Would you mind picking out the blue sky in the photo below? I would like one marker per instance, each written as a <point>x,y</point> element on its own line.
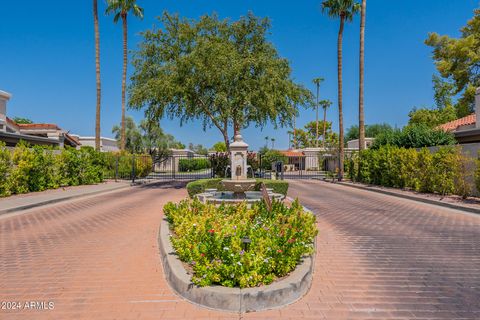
<point>47,58</point>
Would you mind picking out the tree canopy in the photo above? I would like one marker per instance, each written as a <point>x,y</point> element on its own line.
<point>223,73</point>
<point>306,137</point>
<point>21,120</point>
<point>148,137</point>
<point>371,131</point>
<point>458,62</point>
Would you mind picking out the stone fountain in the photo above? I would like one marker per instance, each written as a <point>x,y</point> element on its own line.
<point>239,187</point>
<point>238,182</point>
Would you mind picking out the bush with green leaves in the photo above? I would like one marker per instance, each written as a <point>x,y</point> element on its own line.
<point>209,239</point>
<point>414,136</point>
<point>199,186</point>
<point>124,160</point>
<point>272,156</point>
<point>193,164</point>
<point>5,169</point>
<point>443,171</point>
<point>37,168</point>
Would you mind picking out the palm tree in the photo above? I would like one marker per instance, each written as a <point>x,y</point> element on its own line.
<point>97,71</point>
<point>345,10</point>
<point>317,81</point>
<point>120,9</point>
<point>295,128</point>
<point>325,105</point>
<point>266,141</point>
<point>273,143</point>
<point>361,115</point>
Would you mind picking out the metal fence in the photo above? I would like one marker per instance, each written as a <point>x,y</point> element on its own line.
<point>194,167</point>
<point>146,167</point>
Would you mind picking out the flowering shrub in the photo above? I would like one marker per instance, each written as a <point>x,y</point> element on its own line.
<point>209,239</point>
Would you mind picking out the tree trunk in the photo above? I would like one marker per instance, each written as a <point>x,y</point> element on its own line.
<point>295,130</point>
<point>324,126</point>
<point>340,99</point>
<point>361,117</point>
<point>97,71</point>
<point>124,79</point>
<point>316,117</point>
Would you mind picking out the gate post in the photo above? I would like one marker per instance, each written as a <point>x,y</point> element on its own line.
<point>173,167</point>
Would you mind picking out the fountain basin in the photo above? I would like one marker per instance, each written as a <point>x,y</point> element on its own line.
<point>229,197</point>
<point>239,186</point>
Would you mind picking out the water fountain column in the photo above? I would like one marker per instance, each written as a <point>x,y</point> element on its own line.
<point>238,158</point>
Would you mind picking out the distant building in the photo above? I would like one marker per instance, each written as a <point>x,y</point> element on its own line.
<point>354,144</point>
<point>106,144</point>
<point>35,133</point>
<point>466,129</point>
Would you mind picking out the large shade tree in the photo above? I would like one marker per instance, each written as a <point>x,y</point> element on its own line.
<point>223,73</point>
<point>120,9</point>
<point>344,10</point>
<point>458,62</point>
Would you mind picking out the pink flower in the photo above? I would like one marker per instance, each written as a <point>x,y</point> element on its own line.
<point>279,251</point>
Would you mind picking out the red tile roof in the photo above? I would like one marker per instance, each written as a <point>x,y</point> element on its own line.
<point>290,153</point>
<point>453,125</point>
<point>38,126</point>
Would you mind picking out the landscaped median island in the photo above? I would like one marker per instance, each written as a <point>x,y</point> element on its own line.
<point>238,257</point>
<point>233,245</point>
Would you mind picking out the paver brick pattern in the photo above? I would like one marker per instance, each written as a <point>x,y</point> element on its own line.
<point>378,257</point>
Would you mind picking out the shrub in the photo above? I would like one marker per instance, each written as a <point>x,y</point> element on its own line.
<point>199,186</point>
<point>445,171</point>
<point>143,165</point>
<point>209,239</point>
<point>5,168</point>
<point>414,136</point>
<point>194,164</point>
<point>272,156</point>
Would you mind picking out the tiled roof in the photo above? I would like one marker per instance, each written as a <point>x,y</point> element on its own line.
<point>290,153</point>
<point>453,125</point>
<point>38,126</point>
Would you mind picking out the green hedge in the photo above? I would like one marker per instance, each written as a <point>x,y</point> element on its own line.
<point>187,165</point>
<point>209,239</point>
<point>143,165</point>
<point>37,168</point>
<point>199,186</point>
<point>444,171</point>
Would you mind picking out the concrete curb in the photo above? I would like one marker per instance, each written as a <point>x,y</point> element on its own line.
<point>278,294</point>
<point>57,200</point>
<point>410,197</point>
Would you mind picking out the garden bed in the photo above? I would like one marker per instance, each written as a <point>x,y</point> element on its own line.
<point>273,269</point>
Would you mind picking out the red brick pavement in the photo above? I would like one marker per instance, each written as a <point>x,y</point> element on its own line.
<point>378,258</point>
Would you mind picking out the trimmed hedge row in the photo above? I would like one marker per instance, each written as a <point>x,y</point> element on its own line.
<point>199,186</point>
<point>445,171</point>
<point>38,168</point>
<point>187,165</point>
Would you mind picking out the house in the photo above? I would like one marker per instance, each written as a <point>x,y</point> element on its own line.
<point>34,133</point>
<point>354,144</point>
<point>106,144</point>
<point>466,129</point>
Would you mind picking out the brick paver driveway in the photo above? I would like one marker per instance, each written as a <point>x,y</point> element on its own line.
<point>378,258</point>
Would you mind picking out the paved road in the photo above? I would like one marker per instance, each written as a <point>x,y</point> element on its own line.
<point>378,258</point>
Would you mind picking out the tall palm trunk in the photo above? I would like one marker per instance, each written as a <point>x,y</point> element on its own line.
<point>316,117</point>
<point>361,116</point>
<point>324,126</point>
<point>97,71</point>
<point>124,79</point>
<point>340,97</point>
<point>295,130</point>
